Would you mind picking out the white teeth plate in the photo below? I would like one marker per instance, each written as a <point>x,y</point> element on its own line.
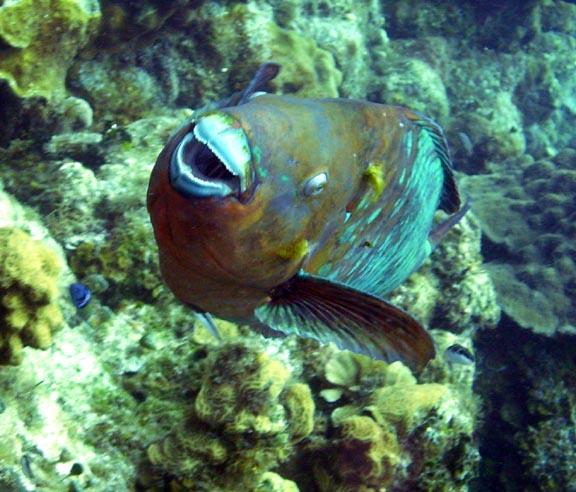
<point>182,177</point>
<point>228,143</point>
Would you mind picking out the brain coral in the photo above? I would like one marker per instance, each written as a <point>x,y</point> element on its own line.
<point>39,41</point>
<point>29,311</point>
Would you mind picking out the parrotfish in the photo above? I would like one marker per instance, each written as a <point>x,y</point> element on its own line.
<point>298,215</point>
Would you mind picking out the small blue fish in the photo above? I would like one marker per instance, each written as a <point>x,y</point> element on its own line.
<point>458,354</point>
<point>80,294</point>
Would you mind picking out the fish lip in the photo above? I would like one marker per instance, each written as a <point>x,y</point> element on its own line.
<point>213,159</point>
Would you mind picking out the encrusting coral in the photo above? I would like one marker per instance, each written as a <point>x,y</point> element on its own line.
<point>361,454</point>
<point>40,40</point>
<point>29,311</point>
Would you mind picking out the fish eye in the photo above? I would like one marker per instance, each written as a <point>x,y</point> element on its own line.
<point>315,184</point>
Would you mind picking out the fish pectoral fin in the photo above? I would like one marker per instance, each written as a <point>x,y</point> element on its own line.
<point>207,322</point>
<point>440,230</point>
<point>312,307</point>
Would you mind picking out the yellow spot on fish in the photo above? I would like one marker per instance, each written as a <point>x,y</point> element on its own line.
<point>295,251</point>
<point>374,175</point>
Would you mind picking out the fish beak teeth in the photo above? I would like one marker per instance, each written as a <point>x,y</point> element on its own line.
<point>228,142</point>
<point>213,160</point>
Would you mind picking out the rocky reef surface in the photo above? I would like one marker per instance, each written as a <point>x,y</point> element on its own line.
<point>131,393</point>
<point>135,393</point>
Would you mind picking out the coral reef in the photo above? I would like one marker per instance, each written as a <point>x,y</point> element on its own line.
<point>134,393</point>
<point>40,40</point>
<point>209,39</point>
<point>533,260</point>
<point>94,206</point>
<point>29,276</point>
<point>511,125</point>
<point>361,454</point>
<point>411,82</point>
<point>355,36</point>
<point>468,300</point>
<point>244,420</point>
<point>193,58</point>
<point>126,260</point>
<point>314,74</point>
<point>388,429</point>
<point>453,290</point>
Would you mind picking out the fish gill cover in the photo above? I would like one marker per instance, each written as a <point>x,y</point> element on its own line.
<point>131,393</point>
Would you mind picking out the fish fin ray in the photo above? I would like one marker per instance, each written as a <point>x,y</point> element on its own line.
<point>207,321</point>
<point>440,231</point>
<point>265,73</point>
<point>450,198</point>
<point>326,311</point>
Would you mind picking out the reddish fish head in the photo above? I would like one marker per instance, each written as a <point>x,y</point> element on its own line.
<point>237,207</point>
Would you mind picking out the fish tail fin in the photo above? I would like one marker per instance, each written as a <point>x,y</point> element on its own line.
<point>440,231</point>
<point>330,312</point>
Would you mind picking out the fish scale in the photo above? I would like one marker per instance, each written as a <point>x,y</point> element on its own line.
<point>397,249</point>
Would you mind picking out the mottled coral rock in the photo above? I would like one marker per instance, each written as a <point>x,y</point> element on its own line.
<point>352,32</point>
<point>117,91</point>
<point>272,482</point>
<point>241,393</point>
<point>362,455</point>
<point>244,420</point>
<point>413,83</point>
<point>453,290</point>
<point>405,405</point>
<point>210,51</point>
<point>526,210</point>
<point>299,404</point>
<point>308,70</point>
<point>398,434</point>
<point>467,299</point>
<point>29,274</point>
<point>42,38</point>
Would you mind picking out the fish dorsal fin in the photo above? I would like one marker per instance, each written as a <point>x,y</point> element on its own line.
<point>450,198</point>
<point>326,311</point>
<point>265,73</point>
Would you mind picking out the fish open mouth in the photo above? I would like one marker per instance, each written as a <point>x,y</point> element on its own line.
<point>213,160</point>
